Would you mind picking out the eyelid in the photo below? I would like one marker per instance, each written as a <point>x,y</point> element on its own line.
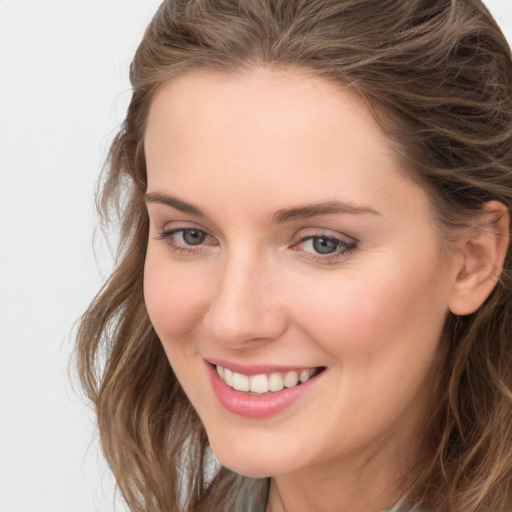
<point>307,233</point>
<point>179,225</point>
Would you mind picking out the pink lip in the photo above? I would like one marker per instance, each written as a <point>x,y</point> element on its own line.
<point>256,406</point>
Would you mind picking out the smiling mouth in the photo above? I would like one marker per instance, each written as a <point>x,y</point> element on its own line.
<point>266,383</point>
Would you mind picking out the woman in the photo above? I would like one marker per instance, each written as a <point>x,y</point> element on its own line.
<point>314,202</point>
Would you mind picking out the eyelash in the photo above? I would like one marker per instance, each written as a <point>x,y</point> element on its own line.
<point>343,247</point>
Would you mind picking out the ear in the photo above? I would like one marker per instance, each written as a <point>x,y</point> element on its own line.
<point>482,249</point>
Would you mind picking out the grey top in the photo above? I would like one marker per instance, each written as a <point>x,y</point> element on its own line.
<point>398,508</point>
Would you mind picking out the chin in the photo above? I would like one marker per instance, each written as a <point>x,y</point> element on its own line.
<point>251,469</point>
<point>249,460</point>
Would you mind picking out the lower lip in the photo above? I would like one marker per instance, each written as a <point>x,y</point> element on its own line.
<point>256,406</point>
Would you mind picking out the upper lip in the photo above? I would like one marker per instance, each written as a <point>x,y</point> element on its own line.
<point>257,369</point>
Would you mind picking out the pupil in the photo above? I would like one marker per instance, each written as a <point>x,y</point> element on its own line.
<point>193,236</point>
<point>324,245</point>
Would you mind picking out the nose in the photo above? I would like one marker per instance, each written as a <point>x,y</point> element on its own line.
<point>246,303</point>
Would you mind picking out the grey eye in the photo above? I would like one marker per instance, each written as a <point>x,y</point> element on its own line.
<point>324,245</point>
<point>193,236</point>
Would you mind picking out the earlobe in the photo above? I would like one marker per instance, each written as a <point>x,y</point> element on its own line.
<point>483,250</point>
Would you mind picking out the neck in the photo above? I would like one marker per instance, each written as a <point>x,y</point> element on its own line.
<point>370,485</point>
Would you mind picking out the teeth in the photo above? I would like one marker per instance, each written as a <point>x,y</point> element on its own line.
<point>305,375</point>
<point>291,379</point>
<point>258,383</point>
<point>228,377</point>
<point>240,382</point>
<point>263,383</point>
<point>275,382</point>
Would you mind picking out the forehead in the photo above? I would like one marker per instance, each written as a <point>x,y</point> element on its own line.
<point>274,100</point>
<point>272,133</point>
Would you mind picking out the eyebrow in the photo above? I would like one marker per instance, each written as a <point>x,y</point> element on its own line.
<point>174,202</point>
<point>312,210</point>
<point>279,217</point>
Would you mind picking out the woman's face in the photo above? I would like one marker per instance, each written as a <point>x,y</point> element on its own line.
<point>286,246</point>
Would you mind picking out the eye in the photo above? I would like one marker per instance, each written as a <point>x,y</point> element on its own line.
<point>324,245</point>
<point>193,236</point>
<point>187,240</point>
<point>325,248</point>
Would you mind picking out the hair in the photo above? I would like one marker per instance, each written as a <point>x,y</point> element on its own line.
<point>437,75</point>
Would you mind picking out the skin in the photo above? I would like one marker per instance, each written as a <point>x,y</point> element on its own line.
<point>241,147</point>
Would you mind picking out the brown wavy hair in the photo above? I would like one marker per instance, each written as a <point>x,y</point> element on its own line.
<point>437,75</point>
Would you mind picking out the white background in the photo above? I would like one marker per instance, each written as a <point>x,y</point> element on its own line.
<point>63,93</point>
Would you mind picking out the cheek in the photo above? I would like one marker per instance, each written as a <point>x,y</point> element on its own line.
<point>389,310</point>
<point>175,299</point>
